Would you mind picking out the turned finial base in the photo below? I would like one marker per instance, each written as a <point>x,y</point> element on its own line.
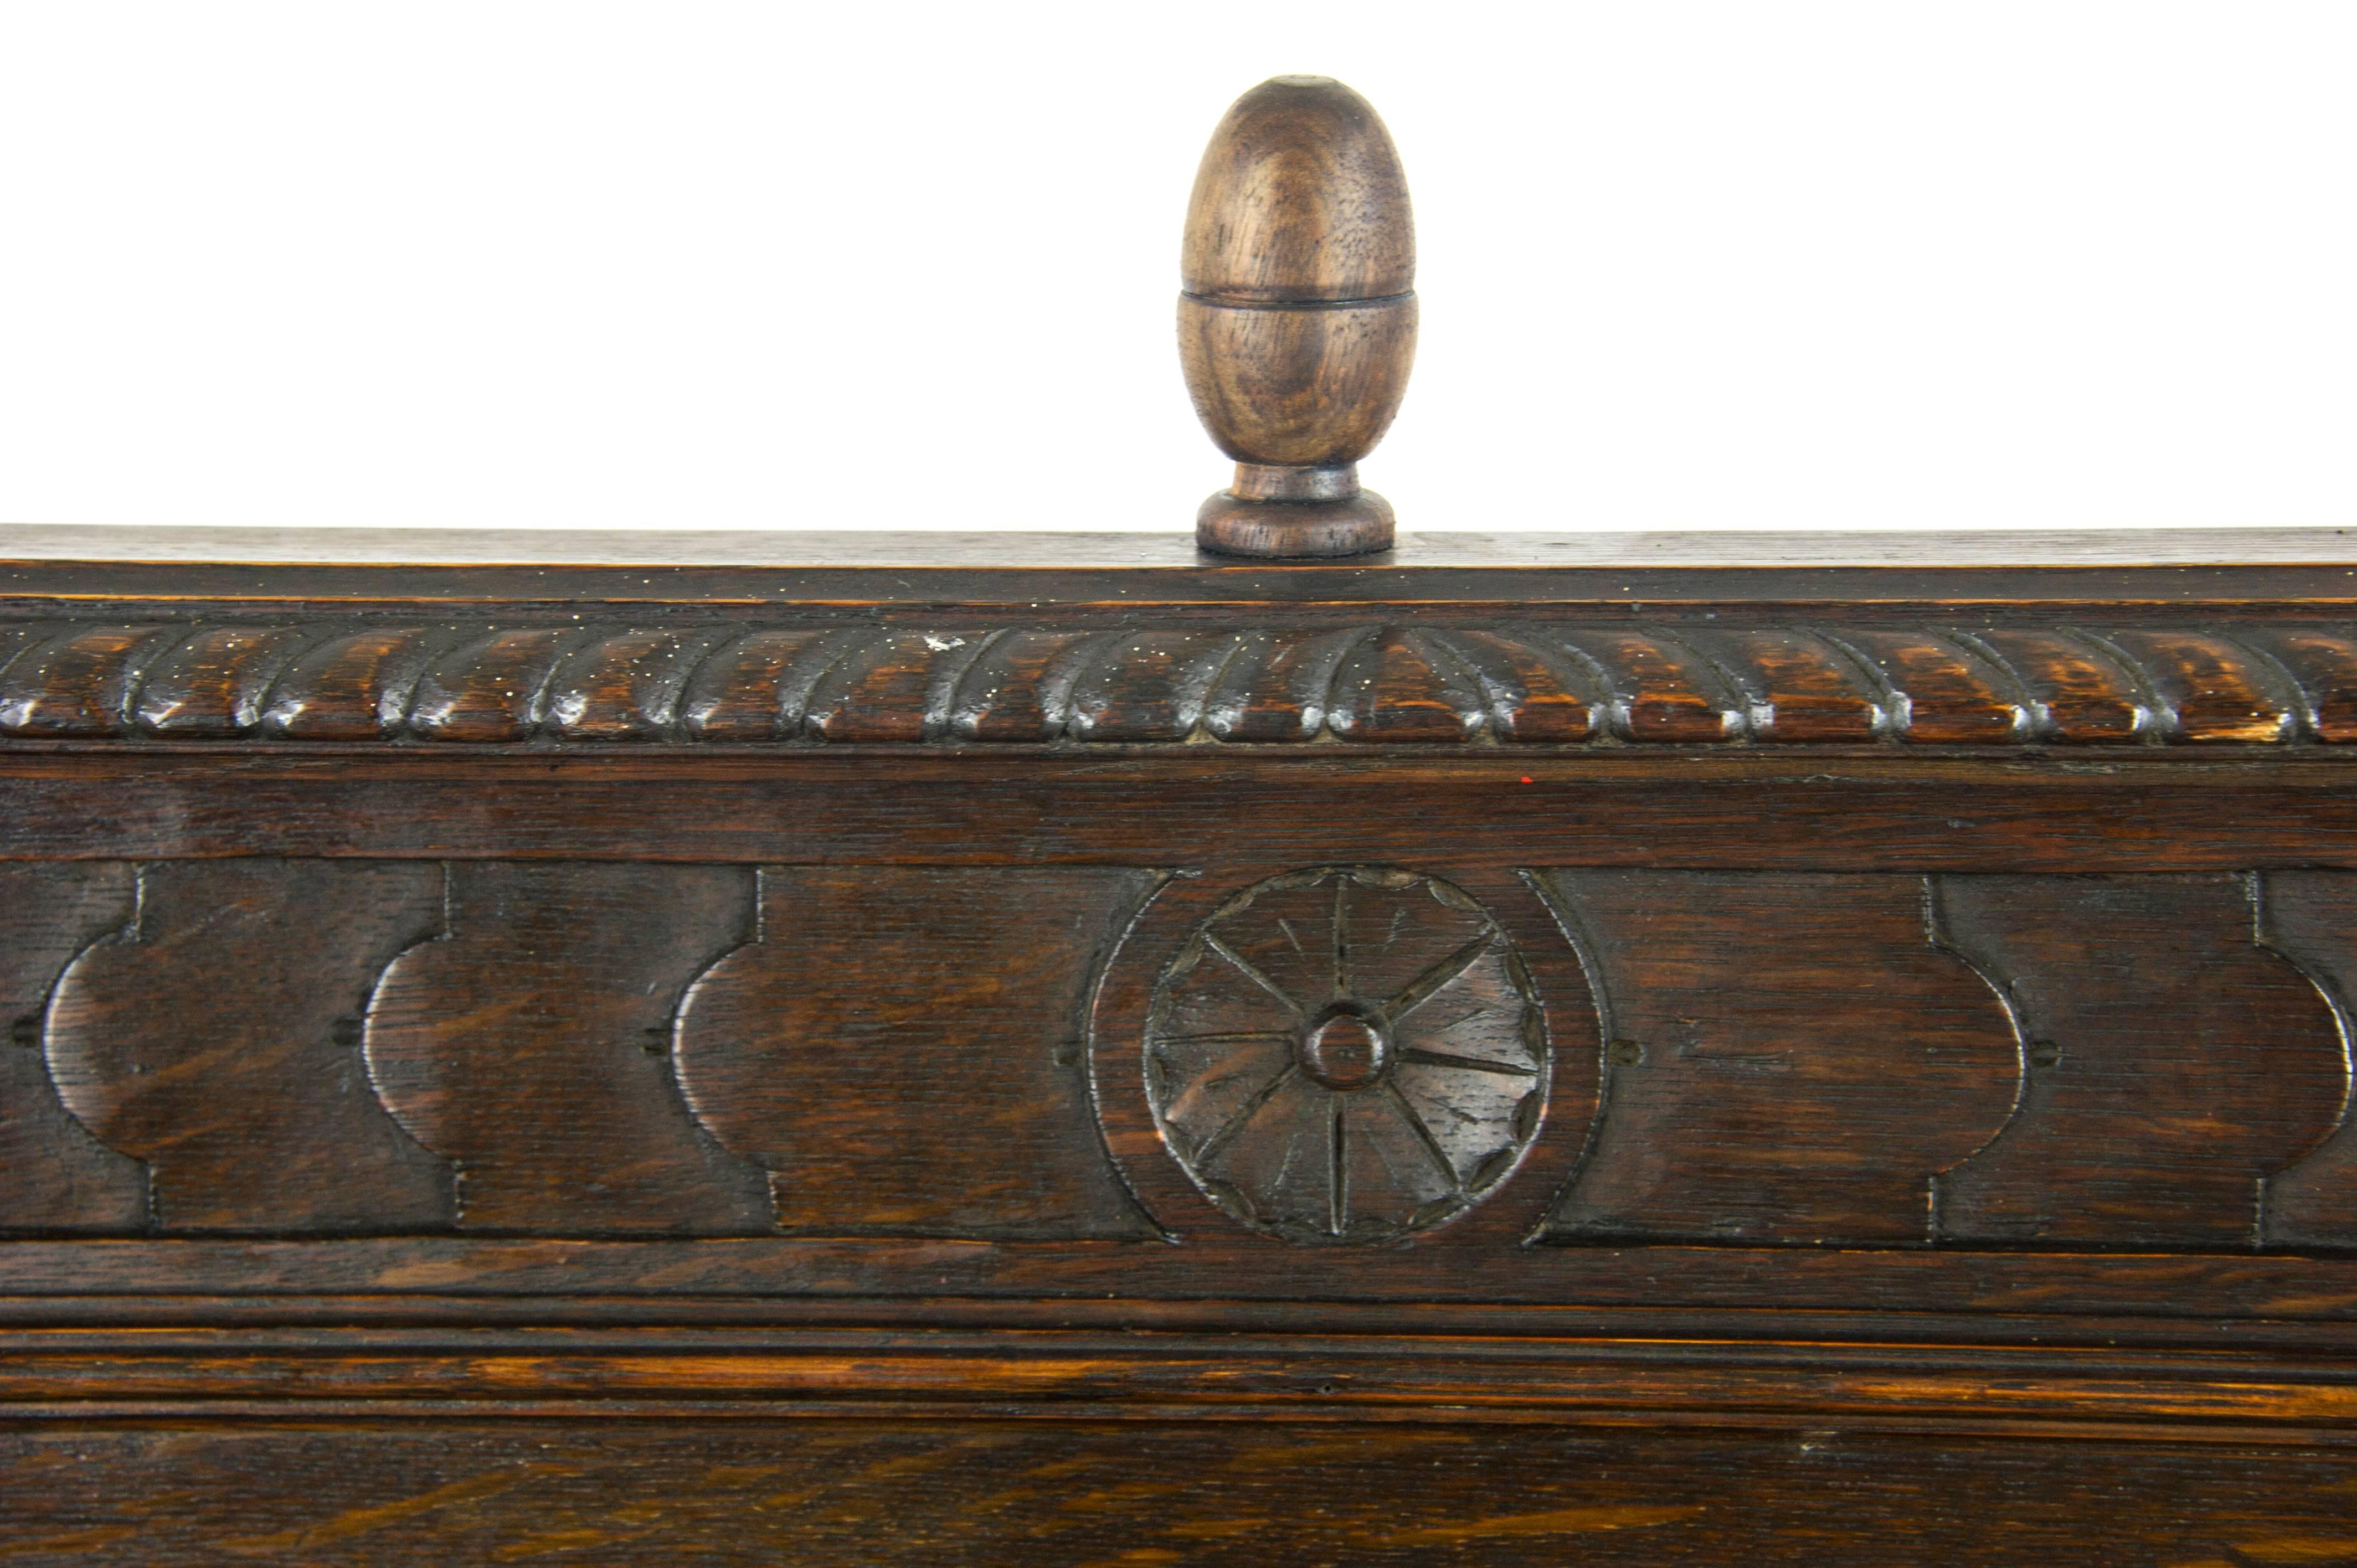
<point>1277,510</point>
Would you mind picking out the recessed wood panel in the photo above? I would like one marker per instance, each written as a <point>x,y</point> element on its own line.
<point>2311,918</point>
<point>1788,1058</point>
<point>53,1174</point>
<point>218,1039</point>
<point>530,1044</point>
<point>902,1049</point>
<point>2172,1064</point>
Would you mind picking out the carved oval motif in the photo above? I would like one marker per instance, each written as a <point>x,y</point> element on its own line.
<point>1347,1054</point>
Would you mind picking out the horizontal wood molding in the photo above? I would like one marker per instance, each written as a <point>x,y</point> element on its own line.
<point>2137,1395</point>
<point>684,681</point>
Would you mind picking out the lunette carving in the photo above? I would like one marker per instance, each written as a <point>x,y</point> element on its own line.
<point>544,1006</point>
<point>1753,1016</point>
<point>54,1175</point>
<point>215,1038</point>
<point>1791,1061</point>
<point>2172,1065</point>
<point>2308,917</point>
<point>951,995</point>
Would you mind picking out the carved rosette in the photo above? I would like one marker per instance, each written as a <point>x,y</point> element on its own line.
<point>1347,1054</point>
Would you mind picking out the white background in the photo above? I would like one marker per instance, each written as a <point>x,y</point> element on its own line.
<point>681,264</point>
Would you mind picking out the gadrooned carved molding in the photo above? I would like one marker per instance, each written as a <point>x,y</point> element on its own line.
<point>363,680</point>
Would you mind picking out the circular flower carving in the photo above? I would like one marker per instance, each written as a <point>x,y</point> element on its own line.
<point>1347,1054</point>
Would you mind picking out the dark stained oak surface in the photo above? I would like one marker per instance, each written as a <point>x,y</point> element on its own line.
<point>775,1055</point>
<point>983,1070</point>
<point>249,1115</point>
<point>2156,1034</point>
<point>209,674</point>
<point>527,1043</point>
<point>1752,1018</point>
<point>54,1175</point>
<point>1064,1495</point>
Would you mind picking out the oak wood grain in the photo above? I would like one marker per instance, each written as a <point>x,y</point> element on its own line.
<point>901,1050</point>
<point>1759,1029</point>
<point>2307,917</point>
<point>55,1176</point>
<point>710,1004</point>
<point>1297,326</point>
<point>529,1044</point>
<point>1073,1494</point>
<point>217,1039</point>
<point>2171,1066</point>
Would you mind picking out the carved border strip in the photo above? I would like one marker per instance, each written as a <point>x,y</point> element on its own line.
<point>608,1048</point>
<point>1523,685</point>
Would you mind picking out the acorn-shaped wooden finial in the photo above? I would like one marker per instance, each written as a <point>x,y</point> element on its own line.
<point>1298,323</point>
